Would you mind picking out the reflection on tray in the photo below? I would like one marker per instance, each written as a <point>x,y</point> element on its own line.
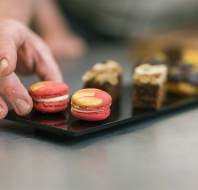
<point>58,120</point>
<point>171,99</point>
<point>65,121</point>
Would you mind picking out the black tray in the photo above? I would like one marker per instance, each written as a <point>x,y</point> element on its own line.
<point>122,113</point>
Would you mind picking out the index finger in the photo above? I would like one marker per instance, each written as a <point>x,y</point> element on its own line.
<point>45,65</point>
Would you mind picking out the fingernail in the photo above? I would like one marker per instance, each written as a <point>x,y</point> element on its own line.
<point>3,65</point>
<point>22,107</point>
<point>1,112</point>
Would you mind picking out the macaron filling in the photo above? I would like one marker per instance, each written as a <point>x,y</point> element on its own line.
<point>80,110</point>
<point>55,99</point>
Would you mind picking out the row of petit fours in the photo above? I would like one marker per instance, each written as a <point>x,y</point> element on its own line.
<point>101,85</point>
<point>152,78</point>
<point>171,71</point>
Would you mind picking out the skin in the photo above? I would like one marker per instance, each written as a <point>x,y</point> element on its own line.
<point>74,47</point>
<point>22,50</point>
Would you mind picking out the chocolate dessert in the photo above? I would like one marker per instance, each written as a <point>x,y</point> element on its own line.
<point>183,76</point>
<point>173,53</point>
<point>149,86</point>
<point>106,76</point>
<point>190,56</point>
<point>183,79</point>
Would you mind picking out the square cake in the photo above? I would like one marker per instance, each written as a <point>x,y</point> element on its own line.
<point>149,89</point>
<point>106,76</point>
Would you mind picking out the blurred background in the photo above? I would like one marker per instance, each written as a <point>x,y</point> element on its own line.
<point>130,18</point>
<point>144,25</point>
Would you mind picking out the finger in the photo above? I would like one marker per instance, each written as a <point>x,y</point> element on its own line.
<point>8,56</point>
<point>67,47</point>
<point>14,91</point>
<point>12,35</point>
<point>45,65</point>
<point>25,62</point>
<point>3,108</point>
<point>74,46</point>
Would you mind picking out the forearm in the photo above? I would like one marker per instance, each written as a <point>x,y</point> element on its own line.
<point>21,10</point>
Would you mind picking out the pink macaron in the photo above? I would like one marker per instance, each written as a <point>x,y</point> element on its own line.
<point>91,104</point>
<point>49,96</point>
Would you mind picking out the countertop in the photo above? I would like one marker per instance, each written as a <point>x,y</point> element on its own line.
<point>161,154</point>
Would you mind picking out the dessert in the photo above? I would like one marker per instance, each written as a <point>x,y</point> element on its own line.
<point>149,86</point>
<point>183,79</point>
<point>183,76</point>
<point>173,53</point>
<point>91,104</point>
<point>190,56</point>
<point>106,76</point>
<point>49,96</point>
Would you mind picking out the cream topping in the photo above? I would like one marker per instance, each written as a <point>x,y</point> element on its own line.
<point>154,74</point>
<point>109,65</point>
<point>107,71</point>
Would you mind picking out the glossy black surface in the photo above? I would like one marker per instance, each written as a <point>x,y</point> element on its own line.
<point>122,113</point>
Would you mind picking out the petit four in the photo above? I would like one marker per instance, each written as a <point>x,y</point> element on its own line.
<point>49,96</point>
<point>91,104</point>
<point>149,86</point>
<point>106,76</point>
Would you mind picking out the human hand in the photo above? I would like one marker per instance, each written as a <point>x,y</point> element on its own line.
<point>65,45</point>
<point>23,51</point>
<point>56,32</point>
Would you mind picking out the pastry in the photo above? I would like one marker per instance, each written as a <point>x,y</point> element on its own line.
<point>182,71</point>
<point>49,96</point>
<point>106,76</point>
<point>91,104</point>
<point>173,54</point>
<point>183,79</point>
<point>190,56</point>
<point>149,86</point>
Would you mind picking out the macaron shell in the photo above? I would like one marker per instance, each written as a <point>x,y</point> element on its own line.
<point>49,96</point>
<point>48,89</point>
<point>91,104</point>
<point>96,116</point>
<point>91,97</point>
<point>52,107</point>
